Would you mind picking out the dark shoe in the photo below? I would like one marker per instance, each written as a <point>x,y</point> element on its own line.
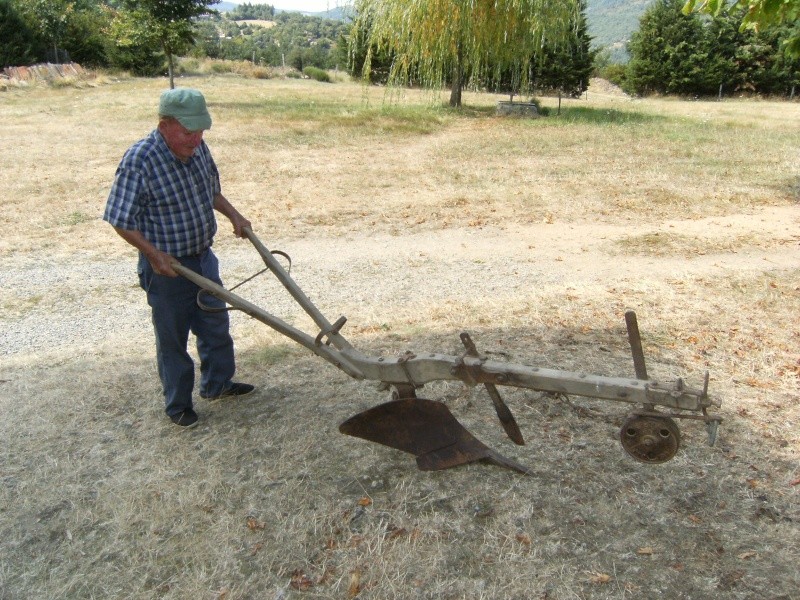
<point>236,389</point>
<point>186,419</point>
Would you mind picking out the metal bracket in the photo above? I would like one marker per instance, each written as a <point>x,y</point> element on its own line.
<point>712,421</point>
<point>332,329</point>
<point>403,362</point>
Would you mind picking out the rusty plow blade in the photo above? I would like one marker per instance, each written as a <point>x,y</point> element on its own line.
<point>426,429</point>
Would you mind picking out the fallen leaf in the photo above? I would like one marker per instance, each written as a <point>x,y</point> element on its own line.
<point>254,524</point>
<point>355,584</point>
<point>646,551</point>
<point>256,548</point>
<point>600,578</point>
<point>746,555</point>
<point>300,581</point>
<point>524,538</point>
<point>795,482</point>
<point>365,501</point>
<point>395,531</point>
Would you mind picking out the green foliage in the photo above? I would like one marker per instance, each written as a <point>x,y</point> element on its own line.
<point>317,74</point>
<point>133,46</point>
<point>757,15</point>
<point>259,12</point>
<point>85,38</point>
<point>51,17</point>
<point>566,67</point>
<point>615,73</point>
<point>56,31</point>
<point>675,52</point>
<point>19,42</point>
<point>664,52</point>
<point>557,67</point>
<point>296,40</point>
<point>168,23</point>
<point>353,48</point>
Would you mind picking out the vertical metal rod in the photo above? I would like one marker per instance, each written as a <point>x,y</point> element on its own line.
<point>635,341</point>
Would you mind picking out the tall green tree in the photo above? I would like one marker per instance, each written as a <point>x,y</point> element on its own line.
<point>684,54</point>
<point>566,67</point>
<point>167,21</point>
<point>133,45</point>
<point>757,15</point>
<point>57,30</point>
<point>51,17</point>
<point>664,51</point>
<point>20,43</point>
<point>85,37</point>
<point>436,42</point>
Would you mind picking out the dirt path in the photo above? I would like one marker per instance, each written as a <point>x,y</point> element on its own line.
<point>382,273</point>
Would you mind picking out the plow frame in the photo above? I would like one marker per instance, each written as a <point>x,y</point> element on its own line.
<point>411,371</point>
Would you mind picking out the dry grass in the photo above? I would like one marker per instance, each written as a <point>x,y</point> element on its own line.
<point>416,222</point>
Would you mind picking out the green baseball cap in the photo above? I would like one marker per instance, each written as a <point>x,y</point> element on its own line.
<point>186,105</point>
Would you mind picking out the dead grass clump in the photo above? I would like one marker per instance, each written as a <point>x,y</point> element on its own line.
<point>663,244</point>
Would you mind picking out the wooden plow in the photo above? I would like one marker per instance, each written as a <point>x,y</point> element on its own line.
<point>428,430</point>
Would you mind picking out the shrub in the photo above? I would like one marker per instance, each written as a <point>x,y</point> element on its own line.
<point>615,73</point>
<point>318,74</point>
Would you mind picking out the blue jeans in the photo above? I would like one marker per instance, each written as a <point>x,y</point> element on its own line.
<point>175,313</point>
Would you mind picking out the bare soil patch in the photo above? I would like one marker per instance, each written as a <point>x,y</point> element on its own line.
<point>416,224</point>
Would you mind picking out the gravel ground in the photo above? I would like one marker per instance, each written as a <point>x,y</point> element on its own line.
<point>84,299</point>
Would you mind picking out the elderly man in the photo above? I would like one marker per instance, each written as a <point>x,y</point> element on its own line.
<point>162,202</point>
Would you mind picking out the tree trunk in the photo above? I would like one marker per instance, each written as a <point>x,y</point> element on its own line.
<point>455,91</point>
<point>171,71</point>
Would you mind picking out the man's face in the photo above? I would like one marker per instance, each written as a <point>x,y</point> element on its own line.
<point>180,140</point>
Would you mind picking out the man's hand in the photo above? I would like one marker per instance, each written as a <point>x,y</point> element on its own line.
<point>161,263</point>
<point>239,223</point>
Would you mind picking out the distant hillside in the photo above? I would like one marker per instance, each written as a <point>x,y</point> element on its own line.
<point>340,13</point>
<point>611,23</point>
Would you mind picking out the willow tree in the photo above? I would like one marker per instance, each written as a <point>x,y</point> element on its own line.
<point>436,42</point>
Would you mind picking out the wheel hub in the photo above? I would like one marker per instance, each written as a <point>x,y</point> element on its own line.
<point>650,439</point>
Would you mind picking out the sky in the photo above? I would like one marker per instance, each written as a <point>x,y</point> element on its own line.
<point>302,5</point>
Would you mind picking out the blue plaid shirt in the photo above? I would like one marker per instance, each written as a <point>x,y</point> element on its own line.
<point>170,202</point>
